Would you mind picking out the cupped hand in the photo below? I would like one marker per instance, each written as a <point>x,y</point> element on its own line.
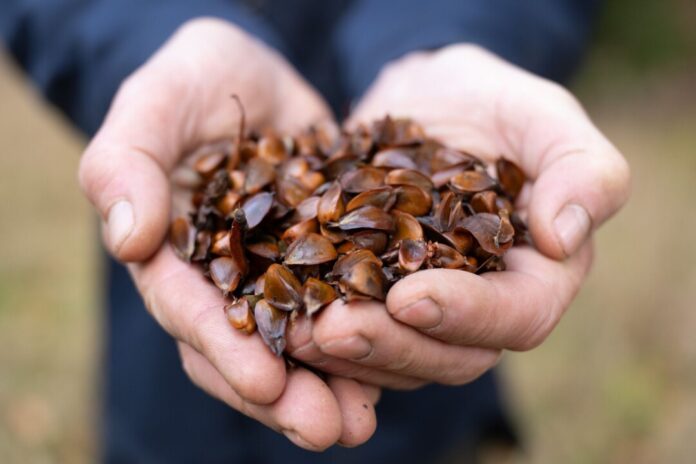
<point>450,326</point>
<point>175,103</point>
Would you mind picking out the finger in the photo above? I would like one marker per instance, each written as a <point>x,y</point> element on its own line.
<point>358,412</point>
<point>307,412</point>
<point>191,310</point>
<point>373,392</point>
<point>301,346</point>
<point>366,334</point>
<point>515,309</point>
<point>580,178</point>
<point>171,106</point>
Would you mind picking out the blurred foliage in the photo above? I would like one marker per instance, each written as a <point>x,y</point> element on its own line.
<point>647,35</point>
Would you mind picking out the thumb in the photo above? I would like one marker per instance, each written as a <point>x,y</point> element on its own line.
<point>581,179</point>
<point>123,171</point>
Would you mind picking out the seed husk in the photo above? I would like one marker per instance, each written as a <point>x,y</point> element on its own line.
<point>347,214</point>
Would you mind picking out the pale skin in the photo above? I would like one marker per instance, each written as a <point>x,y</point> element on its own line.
<point>438,326</point>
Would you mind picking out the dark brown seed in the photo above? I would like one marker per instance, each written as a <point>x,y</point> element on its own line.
<point>226,273</point>
<point>331,206</point>
<point>446,257</point>
<point>317,294</point>
<point>182,236</point>
<point>460,239</point>
<point>409,177</point>
<point>413,200</point>
<point>472,182</point>
<point>446,158</point>
<point>383,198</point>
<point>271,323</point>
<point>228,202</point>
<point>257,175</point>
<point>510,176</point>
<point>365,278</point>
<point>203,240</point>
<point>346,262</point>
<point>366,217</point>
<point>291,192</point>
<point>257,207</point>
<point>307,209</point>
<point>485,202</point>
<point>236,240</point>
<point>491,233</point>
<point>240,315</point>
<point>221,245</point>
<point>266,247</point>
<point>412,254</point>
<point>372,240</point>
<point>334,235</point>
<point>282,289</point>
<point>310,249</point>
<point>362,179</point>
<point>300,230</point>
<point>207,164</point>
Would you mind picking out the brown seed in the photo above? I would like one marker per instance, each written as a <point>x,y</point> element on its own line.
<point>460,239</point>
<point>413,200</point>
<point>300,230</point>
<point>362,179</point>
<point>409,177</point>
<point>203,240</point>
<point>307,209</point>
<point>266,246</point>
<point>446,257</point>
<point>182,236</point>
<point>365,278</point>
<point>383,198</point>
<point>221,246</point>
<point>271,148</point>
<point>490,232</point>
<point>317,294</point>
<point>366,217</point>
<point>334,236</point>
<point>346,262</point>
<point>446,158</point>
<point>372,240</point>
<point>412,254</point>
<point>207,164</point>
<point>282,289</point>
<point>272,324</point>
<point>240,315</point>
<point>257,207</point>
<point>406,227</point>
<point>291,192</point>
<point>394,158</point>
<point>511,177</point>
<point>485,202</point>
<point>472,182</point>
<point>258,174</point>
<point>310,249</point>
<point>226,273</point>
<point>331,206</point>
<point>228,202</point>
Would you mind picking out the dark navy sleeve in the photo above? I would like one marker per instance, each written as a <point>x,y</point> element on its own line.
<point>77,52</point>
<point>546,37</point>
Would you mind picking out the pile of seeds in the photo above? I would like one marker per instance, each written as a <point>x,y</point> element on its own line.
<point>288,224</point>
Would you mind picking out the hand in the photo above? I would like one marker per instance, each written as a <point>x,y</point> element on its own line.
<point>451,326</point>
<point>175,103</point>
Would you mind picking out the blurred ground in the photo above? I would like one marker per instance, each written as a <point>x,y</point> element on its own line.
<point>615,383</point>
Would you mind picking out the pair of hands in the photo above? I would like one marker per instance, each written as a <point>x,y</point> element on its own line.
<point>439,325</point>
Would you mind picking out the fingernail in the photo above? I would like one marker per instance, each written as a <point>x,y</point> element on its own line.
<point>297,439</point>
<point>423,314</point>
<point>119,223</point>
<point>354,347</point>
<point>572,227</point>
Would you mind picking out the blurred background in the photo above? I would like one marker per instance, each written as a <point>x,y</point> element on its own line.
<point>615,383</point>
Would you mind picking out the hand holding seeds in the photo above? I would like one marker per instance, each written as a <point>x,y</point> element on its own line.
<point>176,101</point>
